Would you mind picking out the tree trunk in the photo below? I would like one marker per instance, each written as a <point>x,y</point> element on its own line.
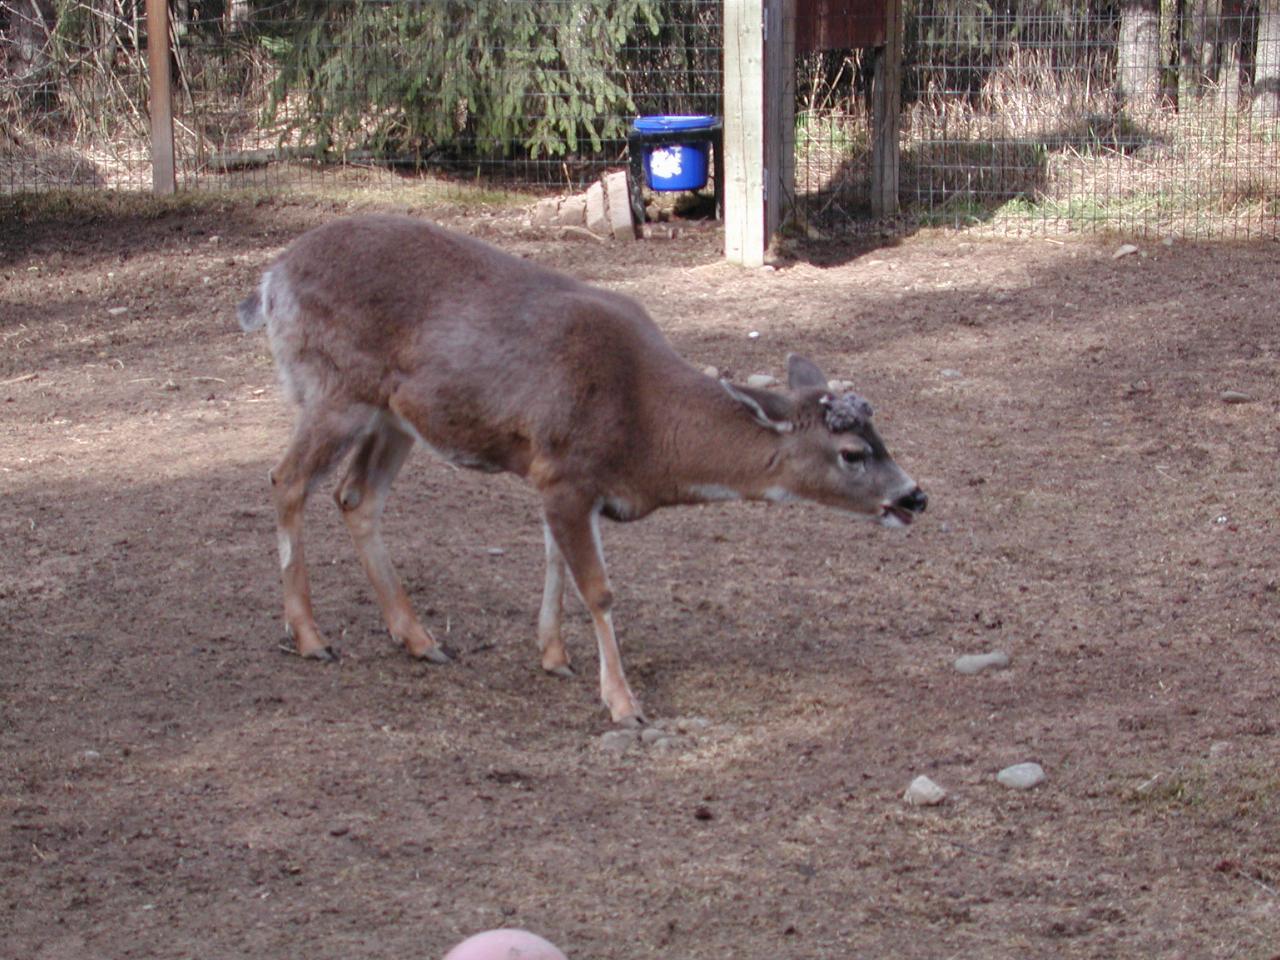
<point>1230,27</point>
<point>1266,76</point>
<point>1138,53</point>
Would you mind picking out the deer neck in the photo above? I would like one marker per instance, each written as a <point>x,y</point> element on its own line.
<point>713,450</point>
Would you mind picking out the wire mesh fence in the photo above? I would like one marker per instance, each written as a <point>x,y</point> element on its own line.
<point>1143,117</point>
<point>1042,116</point>
<point>511,92</point>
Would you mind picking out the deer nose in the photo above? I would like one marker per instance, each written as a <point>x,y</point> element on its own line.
<point>915,501</point>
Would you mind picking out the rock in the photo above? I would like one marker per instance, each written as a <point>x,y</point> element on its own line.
<point>668,744</point>
<point>762,381</point>
<point>923,792</point>
<point>688,724</point>
<point>840,386</point>
<point>1021,776</point>
<point>597,215</point>
<point>753,335</point>
<point>977,662</point>
<point>573,211</point>
<point>117,311</point>
<point>495,552</point>
<point>653,735</point>
<point>91,755</point>
<point>619,202</point>
<point>711,372</point>
<point>1236,396</point>
<point>1124,250</point>
<point>619,741</point>
<point>546,211</point>
<point>948,374</point>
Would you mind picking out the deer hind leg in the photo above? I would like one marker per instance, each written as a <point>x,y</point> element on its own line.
<point>555,658</point>
<point>361,496</point>
<point>320,438</point>
<point>573,524</point>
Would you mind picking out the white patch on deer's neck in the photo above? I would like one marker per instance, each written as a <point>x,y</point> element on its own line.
<point>780,495</point>
<point>713,492</point>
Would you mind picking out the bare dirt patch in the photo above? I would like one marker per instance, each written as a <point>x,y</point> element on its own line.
<point>173,786</point>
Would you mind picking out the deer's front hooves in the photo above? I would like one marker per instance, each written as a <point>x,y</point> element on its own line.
<point>563,670</point>
<point>631,721</point>
<point>325,654</point>
<point>437,655</point>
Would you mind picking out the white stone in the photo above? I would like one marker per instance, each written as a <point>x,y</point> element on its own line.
<point>711,372</point>
<point>948,374</point>
<point>1021,776</point>
<point>619,197</point>
<point>762,381</point>
<point>923,792</point>
<point>573,211</point>
<point>977,662</point>
<point>1124,250</point>
<point>617,741</point>
<point>597,215</point>
<point>545,211</point>
<point>117,311</point>
<point>1236,396</point>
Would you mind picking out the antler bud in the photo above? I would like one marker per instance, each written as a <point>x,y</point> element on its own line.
<point>846,412</point>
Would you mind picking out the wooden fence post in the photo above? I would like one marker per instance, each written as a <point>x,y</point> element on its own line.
<point>887,107</point>
<point>164,179</point>
<point>744,210</point>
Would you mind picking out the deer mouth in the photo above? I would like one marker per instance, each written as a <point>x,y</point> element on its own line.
<point>895,516</point>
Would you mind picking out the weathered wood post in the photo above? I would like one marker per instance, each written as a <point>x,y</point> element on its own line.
<point>744,214</point>
<point>886,110</point>
<point>164,179</point>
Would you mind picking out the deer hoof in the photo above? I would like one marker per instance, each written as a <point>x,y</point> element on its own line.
<point>564,670</point>
<point>325,654</point>
<point>437,655</point>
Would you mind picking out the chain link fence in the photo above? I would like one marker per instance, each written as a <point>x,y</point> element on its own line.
<point>1041,115</point>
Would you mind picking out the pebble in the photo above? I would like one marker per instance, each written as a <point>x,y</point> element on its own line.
<point>617,741</point>
<point>117,311</point>
<point>92,755</point>
<point>496,552</point>
<point>923,792</point>
<point>977,662</point>
<point>1124,250</point>
<point>1236,396</point>
<point>949,374</point>
<point>761,381</point>
<point>1021,776</point>
<point>711,372</point>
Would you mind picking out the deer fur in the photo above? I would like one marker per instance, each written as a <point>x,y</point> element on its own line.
<point>389,331</point>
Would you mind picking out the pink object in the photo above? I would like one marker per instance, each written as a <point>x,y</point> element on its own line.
<point>505,945</point>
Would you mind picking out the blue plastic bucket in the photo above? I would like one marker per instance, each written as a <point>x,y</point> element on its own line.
<point>675,166</point>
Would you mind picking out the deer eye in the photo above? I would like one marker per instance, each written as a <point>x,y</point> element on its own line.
<point>853,458</point>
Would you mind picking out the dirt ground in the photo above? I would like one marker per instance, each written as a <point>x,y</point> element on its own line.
<point>173,786</point>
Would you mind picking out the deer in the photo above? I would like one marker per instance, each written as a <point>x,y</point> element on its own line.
<point>390,332</point>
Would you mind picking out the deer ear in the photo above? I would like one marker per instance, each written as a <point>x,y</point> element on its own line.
<point>771,410</point>
<point>803,373</point>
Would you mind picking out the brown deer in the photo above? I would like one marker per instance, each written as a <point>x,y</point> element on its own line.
<point>388,330</point>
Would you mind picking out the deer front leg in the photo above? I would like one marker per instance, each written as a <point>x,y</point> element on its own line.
<point>361,496</point>
<point>555,658</point>
<point>573,524</point>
